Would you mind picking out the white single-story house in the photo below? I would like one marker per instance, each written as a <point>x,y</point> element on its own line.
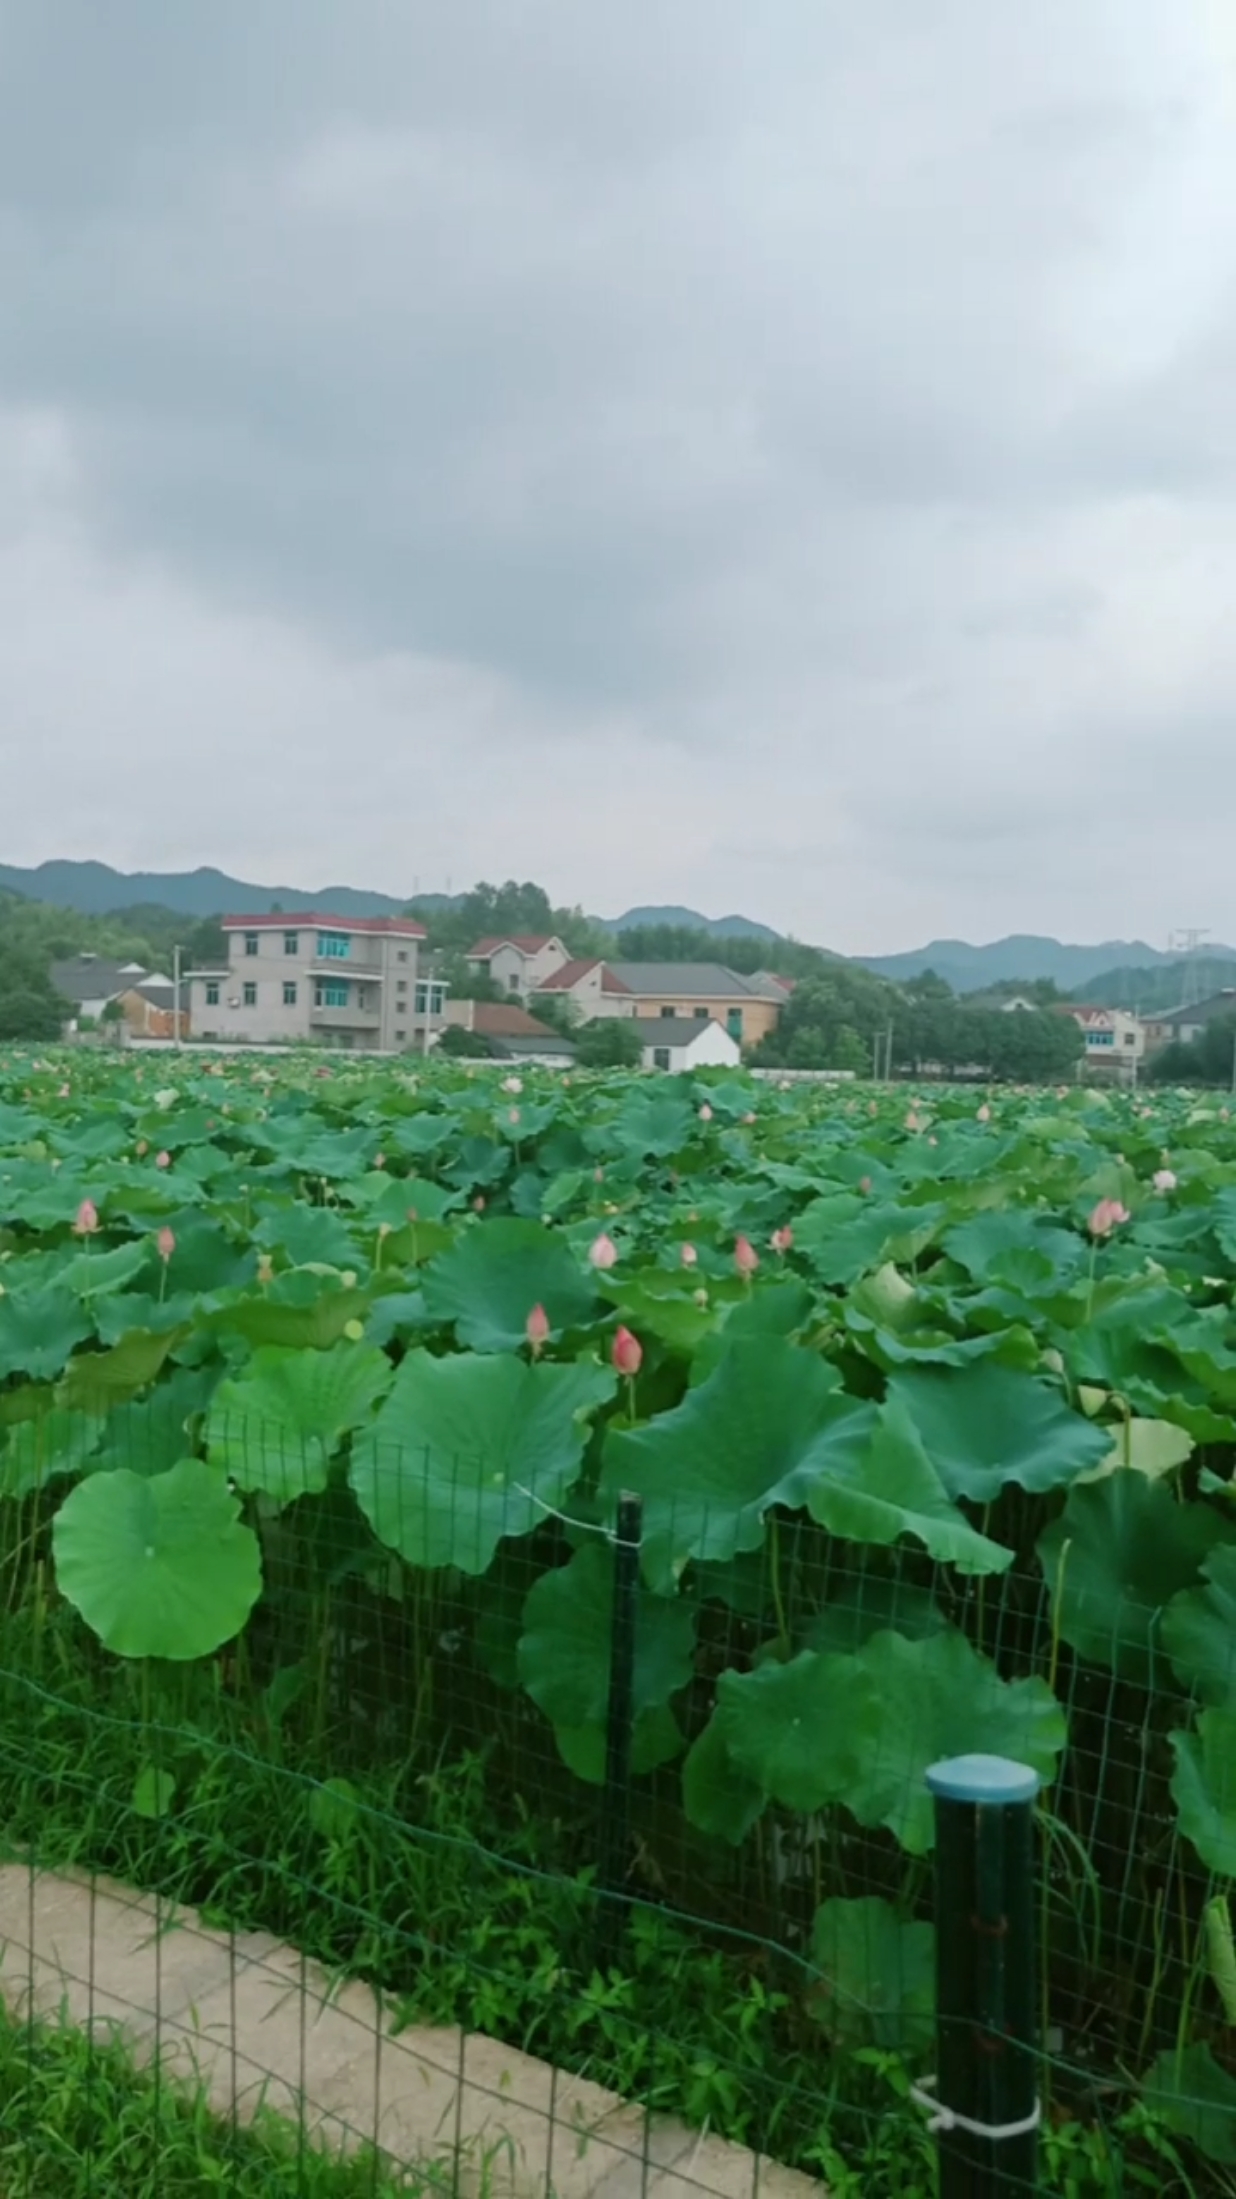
<point>686,1042</point>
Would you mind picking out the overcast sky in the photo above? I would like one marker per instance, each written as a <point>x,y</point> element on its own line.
<point>778,456</point>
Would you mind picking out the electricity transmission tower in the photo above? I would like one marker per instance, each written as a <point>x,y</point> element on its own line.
<point>1189,944</point>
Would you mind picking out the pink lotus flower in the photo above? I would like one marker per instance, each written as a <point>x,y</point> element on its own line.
<point>746,1258</point>
<point>983,1114</point>
<point>602,1252</point>
<point>749,1117</point>
<point>912,1121</point>
<point>782,1239</point>
<point>705,1112</point>
<point>536,1329</point>
<point>163,1160</point>
<point>87,1219</point>
<point>627,1353</point>
<point>166,1243</point>
<point>1165,1179</point>
<point>1108,1215</point>
<point>688,1255</point>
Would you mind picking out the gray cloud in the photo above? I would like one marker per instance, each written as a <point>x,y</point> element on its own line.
<point>776,455</point>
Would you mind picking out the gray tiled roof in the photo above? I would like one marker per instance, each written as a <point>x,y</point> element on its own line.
<point>94,977</point>
<point>689,980</point>
<point>672,1030</point>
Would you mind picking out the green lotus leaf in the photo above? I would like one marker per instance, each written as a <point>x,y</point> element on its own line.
<point>896,1491</point>
<point>717,1797</point>
<point>654,1304</point>
<point>149,1434</point>
<point>984,1426</point>
<point>778,1308</point>
<point>1151,1447</point>
<point>163,1567</point>
<point>92,1274</point>
<point>763,1430</point>
<point>315,1325</point>
<point>876,1975</point>
<point>308,1233</point>
<point>1016,1250</point>
<point>864,1604</point>
<point>1199,1630</point>
<point>1204,1787</point>
<point>38,1330</point>
<point>277,1425</point>
<point>862,1730</point>
<point>97,1380</point>
<point>655,1740</point>
<point>1130,1548</point>
<point>565,1650</point>
<point>470,1449</point>
<point>45,1449</point>
<point>652,1124</point>
<point>1189,2091</point>
<point>489,1281</point>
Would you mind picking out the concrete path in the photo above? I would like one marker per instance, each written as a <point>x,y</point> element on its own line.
<point>255,2022</point>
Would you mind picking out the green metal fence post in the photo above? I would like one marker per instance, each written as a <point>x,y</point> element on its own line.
<point>616,1793</point>
<point>985,2100</point>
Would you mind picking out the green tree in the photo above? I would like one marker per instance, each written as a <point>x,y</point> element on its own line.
<point>610,1042</point>
<point>31,1012</point>
<point>459,1044</point>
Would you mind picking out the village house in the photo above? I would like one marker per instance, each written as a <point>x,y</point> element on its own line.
<point>352,983</point>
<point>139,1002</point>
<point>519,963</point>
<point>746,1007</point>
<point>1115,1039</point>
<point>685,1042</point>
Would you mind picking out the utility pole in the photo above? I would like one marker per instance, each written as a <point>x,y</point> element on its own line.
<point>179,1041</point>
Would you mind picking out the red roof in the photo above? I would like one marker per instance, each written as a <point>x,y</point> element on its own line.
<point>502,1019</point>
<point>562,981</point>
<point>304,920</point>
<point>527,943</point>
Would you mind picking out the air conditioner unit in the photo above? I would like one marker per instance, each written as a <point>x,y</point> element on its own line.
<point>234,1002</point>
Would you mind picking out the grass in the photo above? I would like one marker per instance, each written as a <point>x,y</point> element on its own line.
<point>79,2121</point>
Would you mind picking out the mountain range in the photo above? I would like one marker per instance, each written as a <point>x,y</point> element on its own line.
<point>95,889</point>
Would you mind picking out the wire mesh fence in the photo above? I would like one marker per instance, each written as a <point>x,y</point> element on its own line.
<point>493,1832</point>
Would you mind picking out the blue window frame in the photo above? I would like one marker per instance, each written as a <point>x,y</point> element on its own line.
<point>334,946</point>
<point>330,992</point>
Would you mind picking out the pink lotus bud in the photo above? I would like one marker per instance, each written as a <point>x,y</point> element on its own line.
<point>598,1175</point>
<point>163,1160</point>
<point>478,1204</point>
<point>87,1220</point>
<point>265,1269</point>
<point>749,1117</point>
<point>512,1084</point>
<point>413,1216</point>
<point>688,1256</point>
<point>701,1297</point>
<point>513,1116</point>
<point>1108,1215</point>
<point>602,1252</point>
<point>536,1329</point>
<point>782,1239</point>
<point>912,1121</point>
<point>983,1114</point>
<point>627,1353</point>
<point>746,1258</point>
<point>379,1160</point>
<point>166,1243</point>
<point>864,1184</point>
<point>384,1229</point>
<point>705,1112</point>
<point>1165,1179</point>
<point>142,1149</point>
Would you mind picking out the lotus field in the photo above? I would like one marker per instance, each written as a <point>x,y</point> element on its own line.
<point>319,1385</point>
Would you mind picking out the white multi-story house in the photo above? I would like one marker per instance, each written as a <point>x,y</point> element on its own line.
<point>519,962</point>
<point>326,980</point>
<point>1115,1039</point>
